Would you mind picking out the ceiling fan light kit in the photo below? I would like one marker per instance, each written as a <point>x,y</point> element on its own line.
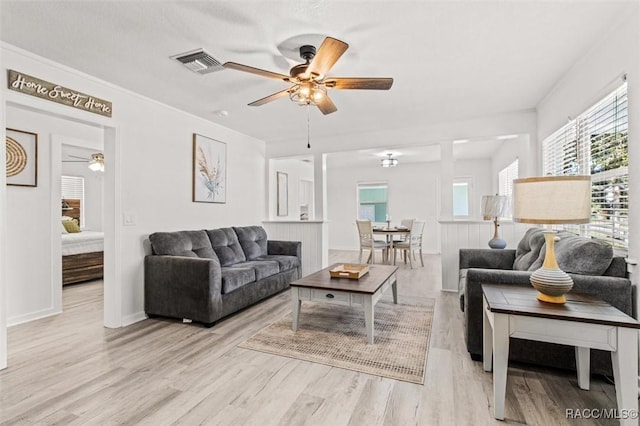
<point>96,163</point>
<point>310,80</point>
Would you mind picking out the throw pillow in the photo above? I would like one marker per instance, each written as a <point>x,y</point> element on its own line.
<point>71,226</point>
<point>63,230</point>
<point>580,255</point>
<point>528,250</point>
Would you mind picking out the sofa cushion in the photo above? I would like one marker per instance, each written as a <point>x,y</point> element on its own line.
<point>234,277</point>
<point>462,280</point>
<point>528,250</point>
<point>263,268</point>
<point>285,262</point>
<point>226,245</point>
<point>253,240</point>
<point>182,243</point>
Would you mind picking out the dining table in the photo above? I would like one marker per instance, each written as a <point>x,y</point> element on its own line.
<point>389,232</point>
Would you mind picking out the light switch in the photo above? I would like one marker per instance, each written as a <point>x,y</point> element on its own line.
<point>129,219</point>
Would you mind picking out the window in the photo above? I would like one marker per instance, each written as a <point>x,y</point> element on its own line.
<point>595,144</point>
<point>73,187</point>
<point>372,202</point>
<point>505,184</point>
<point>506,177</point>
<point>461,195</point>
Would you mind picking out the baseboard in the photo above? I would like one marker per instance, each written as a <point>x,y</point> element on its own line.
<point>31,316</point>
<point>133,318</point>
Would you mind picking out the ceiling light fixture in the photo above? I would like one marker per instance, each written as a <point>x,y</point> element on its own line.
<point>96,163</point>
<point>389,161</point>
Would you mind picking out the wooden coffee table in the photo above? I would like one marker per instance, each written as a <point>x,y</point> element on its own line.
<point>584,321</point>
<point>365,292</point>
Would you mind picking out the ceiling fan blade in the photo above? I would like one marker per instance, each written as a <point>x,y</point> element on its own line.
<point>270,98</point>
<point>326,105</point>
<point>328,54</point>
<point>81,158</point>
<point>256,71</point>
<point>359,83</point>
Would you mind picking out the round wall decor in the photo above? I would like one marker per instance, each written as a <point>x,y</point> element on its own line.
<point>16,157</point>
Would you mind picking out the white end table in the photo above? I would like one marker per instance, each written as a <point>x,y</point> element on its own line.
<point>583,321</point>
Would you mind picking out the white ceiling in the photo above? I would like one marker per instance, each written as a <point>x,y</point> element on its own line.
<point>450,60</point>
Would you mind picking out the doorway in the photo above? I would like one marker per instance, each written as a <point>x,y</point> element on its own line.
<point>49,162</point>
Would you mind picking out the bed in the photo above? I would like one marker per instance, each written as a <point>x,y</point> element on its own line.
<point>82,252</point>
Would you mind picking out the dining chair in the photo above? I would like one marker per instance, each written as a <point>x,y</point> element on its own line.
<point>367,242</point>
<point>404,223</point>
<point>414,242</point>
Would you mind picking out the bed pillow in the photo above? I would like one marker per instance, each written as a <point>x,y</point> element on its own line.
<point>64,230</point>
<point>71,226</point>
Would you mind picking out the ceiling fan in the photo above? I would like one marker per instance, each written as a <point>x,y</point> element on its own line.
<point>96,162</point>
<point>310,80</point>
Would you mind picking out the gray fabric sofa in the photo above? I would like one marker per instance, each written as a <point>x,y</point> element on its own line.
<point>206,275</point>
<point>591,264</point>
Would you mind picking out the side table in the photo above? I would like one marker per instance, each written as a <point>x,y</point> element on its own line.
<point>583,321</point>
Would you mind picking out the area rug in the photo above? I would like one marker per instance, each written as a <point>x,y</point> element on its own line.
<point>335,335</point>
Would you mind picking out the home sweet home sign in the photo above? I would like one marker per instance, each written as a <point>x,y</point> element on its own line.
<point>42,89</point>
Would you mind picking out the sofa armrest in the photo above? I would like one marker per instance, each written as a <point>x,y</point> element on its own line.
<point>616,291</point>
<point>287,248</point>
<point>182,287</point>
<point>473,300</point>
<point>487,258</point>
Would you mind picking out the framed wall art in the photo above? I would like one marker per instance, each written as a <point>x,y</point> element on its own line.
<point>282,195</point>
<point>209,170</point>
<point>22,158</point>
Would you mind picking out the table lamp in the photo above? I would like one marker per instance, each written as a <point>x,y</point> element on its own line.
<point>551,200</point>
<point>494,207</point>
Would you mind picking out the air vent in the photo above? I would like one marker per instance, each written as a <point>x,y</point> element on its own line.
<point>199,61</point>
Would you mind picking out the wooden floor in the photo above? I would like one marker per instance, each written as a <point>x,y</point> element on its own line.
<point>70,370</point>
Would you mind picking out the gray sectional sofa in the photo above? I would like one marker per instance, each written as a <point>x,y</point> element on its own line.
<point>591,264</point>
<point>204,276</point>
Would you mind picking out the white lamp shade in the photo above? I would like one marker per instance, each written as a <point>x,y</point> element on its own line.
<point>494,206</point>
<point>552,199</point>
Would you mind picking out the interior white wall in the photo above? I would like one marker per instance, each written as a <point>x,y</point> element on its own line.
<point>296,170</point>
<point>30,291</point>
<point>413,193</point>
<point>93,190</point>
<point>155,164</point>
<point>593,76</point>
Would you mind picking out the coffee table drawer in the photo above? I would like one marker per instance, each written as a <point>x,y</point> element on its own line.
<point>332,296</point>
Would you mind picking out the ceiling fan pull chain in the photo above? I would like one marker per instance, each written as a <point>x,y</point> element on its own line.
<point>308,128</point>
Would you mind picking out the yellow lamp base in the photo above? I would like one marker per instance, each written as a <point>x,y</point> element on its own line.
<point>551,299</point>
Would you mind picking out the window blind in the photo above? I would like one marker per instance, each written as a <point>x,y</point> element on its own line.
<point>506,177</point>
<point>505,184</point>
<point>73,187</point>
<point>596,144</point>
